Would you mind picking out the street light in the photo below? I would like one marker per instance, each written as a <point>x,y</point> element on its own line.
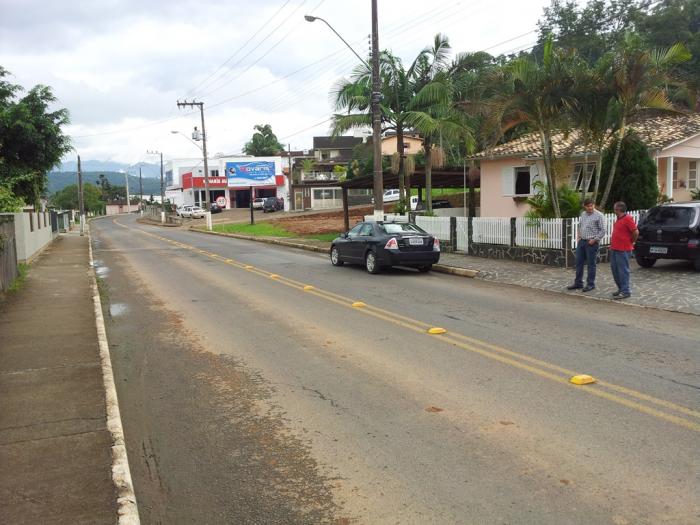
<point>175,132</point>
<point>376,98</point>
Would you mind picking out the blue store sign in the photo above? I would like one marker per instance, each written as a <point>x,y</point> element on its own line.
<point>259,173</point>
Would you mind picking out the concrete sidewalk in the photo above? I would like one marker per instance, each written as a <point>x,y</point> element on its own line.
<point>55,461</point>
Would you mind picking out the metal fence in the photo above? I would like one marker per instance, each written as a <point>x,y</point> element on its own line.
<point>8,251</point>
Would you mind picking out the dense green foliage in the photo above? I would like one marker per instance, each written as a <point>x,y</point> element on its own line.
<point>542,207</point>
<point>31,139</point>
<point>635,180</point>
<point>67,198</point>
<point>263,143</point>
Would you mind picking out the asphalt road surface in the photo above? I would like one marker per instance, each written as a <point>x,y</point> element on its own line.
<point>248,397</point>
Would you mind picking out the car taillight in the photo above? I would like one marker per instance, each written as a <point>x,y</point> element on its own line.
<point>392,244</point>
<point>436,245</point>
<point>693,244</point>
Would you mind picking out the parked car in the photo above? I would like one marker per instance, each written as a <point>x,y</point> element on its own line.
<point>183,211</point>
<point>258,203</point>
<point>272,204</point>
<point>384,244</point>
<point>215,208</point>
<point>391,196</point>
<point>437,204</point>
<point>196,212</point>
<point>669,231</point>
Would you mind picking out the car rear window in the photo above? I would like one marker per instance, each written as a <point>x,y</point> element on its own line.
<point>671,216</point>
<point>401,227</point>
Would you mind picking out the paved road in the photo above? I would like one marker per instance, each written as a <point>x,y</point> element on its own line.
<point>247,399</point>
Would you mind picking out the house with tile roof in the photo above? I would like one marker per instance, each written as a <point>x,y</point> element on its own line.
<point>509,170</point>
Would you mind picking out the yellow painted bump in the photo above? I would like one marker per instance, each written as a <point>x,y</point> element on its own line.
<point>582,379</point>
<point>229,260</point>
<point>248,267</point>
<point>435,330</point>
<point>274,276</point>
<point>358,304</point>
<point>308,287</point>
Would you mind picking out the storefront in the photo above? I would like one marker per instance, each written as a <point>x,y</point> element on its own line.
<point>193,190</point>
<point>253,177</point>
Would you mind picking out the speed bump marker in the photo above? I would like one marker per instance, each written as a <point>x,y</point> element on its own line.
<point>437,331</point>
<point>582,379</point>
<point>248,267</point>
<point>358,304</point>
<point>274,276</point>
<point>308,287</point>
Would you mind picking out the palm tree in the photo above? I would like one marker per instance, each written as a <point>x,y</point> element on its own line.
<point>539,95</point>
<point>640,77</point>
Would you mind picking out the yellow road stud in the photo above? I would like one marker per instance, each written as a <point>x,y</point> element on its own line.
<point>437,331</point>
<point>358,304</point>
<point>582,379</point>
<point>308,287</point>
<point>274,276</point>
<point>248,267</point>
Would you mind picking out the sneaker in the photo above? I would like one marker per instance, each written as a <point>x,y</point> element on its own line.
<point>615,294</point>
<point>621,295</point>
<point>574,287</point>
<point>588,288</point>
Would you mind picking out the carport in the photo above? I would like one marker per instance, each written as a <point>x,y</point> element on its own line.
<point>441,178</point>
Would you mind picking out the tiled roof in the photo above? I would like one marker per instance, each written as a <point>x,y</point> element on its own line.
<point>657,132</point>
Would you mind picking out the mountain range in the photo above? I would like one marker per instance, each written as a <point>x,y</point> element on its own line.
<point>147,169</point>
<point>60,179</point>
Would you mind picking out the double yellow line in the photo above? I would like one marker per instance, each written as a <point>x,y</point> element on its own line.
<point>639,401</point>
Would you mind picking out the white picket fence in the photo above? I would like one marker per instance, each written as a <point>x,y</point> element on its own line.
<point>437,226</point>
<point>610,219</point>
<point>491,230</point>
<point>538,233</point>
<point>462,234</point>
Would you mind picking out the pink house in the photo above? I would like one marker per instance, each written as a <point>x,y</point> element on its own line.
<point>508,171</point>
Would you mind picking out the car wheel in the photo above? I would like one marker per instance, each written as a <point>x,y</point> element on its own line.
<point>335,257</point>
<point>371,263</point>
<point>425,269</point>
<point>645,262</point>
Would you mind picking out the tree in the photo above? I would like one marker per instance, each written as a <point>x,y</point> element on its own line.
<point>31,139</point>
<point>635,182</point>
<point>640,77</point>
<point>263,143</point>
<point>67,198</point>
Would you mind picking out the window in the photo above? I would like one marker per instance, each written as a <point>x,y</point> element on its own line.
<point>355,231</point>
<point>367,229</point>
<point>401,227</point>
<point>522,181</point>
<point>213,173</point>
<point>671,216</point>
<point>675,175</point>
<point>582,180</point>
<point>692,174</point>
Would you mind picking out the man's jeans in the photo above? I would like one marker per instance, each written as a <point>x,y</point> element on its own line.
<point>586,253</point>
<point>620,266</point>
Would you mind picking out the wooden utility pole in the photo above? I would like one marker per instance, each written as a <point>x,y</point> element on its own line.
<point>81,203</point>
<point>140,188</point>
<point>200,105</point>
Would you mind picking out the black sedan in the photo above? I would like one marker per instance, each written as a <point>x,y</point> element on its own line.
<point>383,244</point>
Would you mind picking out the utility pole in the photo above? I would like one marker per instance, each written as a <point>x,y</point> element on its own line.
<point>81,203</point>
<point>162,186</point>
<point>141,190</point>
<point>376,120</point>
<point>128,201</point>
<point>200,105</point>
<point>289,177</point>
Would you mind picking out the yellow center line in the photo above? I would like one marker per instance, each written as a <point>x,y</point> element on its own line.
<point>503,355</point>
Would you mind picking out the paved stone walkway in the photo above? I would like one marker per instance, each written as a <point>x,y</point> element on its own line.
<point>669,285</point>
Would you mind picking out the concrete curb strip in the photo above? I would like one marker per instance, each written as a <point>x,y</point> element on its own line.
<point>463,272</point>
<point>127,508</point>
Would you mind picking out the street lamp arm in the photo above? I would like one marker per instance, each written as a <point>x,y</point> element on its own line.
<point>192,141</point>
<point>310,18</point>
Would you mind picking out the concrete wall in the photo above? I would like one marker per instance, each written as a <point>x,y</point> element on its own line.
<point>32,233</point>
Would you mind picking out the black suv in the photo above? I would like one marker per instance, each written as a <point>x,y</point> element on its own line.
<point>272,204</point>
<point>669,231</point>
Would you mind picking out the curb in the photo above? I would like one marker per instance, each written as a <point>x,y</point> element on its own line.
<point>127,509</point>
<point>440,268</point>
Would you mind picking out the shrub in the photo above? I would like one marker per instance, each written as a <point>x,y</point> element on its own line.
<point>541,206</point>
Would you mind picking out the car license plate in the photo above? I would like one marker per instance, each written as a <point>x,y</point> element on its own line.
<point>415,241</point>
<point>658,249</point>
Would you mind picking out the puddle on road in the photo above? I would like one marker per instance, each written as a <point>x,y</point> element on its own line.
<point>101,271</point>
<point>117,309</point>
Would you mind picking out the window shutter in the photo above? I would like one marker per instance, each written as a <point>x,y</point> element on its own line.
<point>507,182</point>
<point>534,177</point>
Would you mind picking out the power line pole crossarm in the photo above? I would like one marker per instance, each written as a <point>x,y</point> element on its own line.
<point>200,105</point>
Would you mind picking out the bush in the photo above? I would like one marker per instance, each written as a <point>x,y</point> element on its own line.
<point>635,181</point>
<point>541,206</point>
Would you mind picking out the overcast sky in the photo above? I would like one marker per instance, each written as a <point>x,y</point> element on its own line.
<point>120,66</point>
